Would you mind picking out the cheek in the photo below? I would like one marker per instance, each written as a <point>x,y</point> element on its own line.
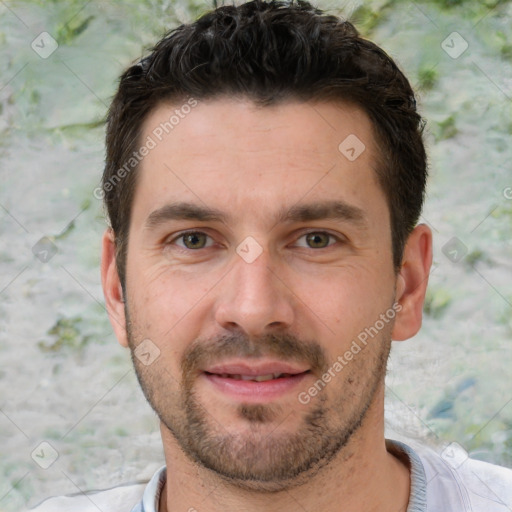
<point>344,303</point>
<point>344,289</point>
<point>157,287</point>
<point>167,301</point>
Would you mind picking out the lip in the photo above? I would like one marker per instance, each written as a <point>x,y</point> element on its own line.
<point>252,391</point>
<point>255,368</point>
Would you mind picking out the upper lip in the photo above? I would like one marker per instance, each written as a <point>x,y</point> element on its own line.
<point>255,368</point>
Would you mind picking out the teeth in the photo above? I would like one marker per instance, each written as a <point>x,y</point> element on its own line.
<point>256,378</point>
<point>262,378</point>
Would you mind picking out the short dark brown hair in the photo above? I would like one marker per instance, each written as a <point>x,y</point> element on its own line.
<point>270,52</point>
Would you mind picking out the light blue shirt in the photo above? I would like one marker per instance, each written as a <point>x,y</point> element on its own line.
<point>449,483</point>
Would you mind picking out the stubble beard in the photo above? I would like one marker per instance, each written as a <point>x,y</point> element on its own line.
<point>259,458</point>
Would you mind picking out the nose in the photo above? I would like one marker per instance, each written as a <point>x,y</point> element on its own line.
<point>253,298</point>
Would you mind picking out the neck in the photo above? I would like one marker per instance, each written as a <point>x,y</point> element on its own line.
<point>363,476</point>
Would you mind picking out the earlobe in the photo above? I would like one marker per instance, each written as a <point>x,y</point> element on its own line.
<point>412,281</point>
<point>112,289</point>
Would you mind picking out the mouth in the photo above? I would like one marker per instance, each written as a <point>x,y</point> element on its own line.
<point>255,378</point>
<point>255,383</point>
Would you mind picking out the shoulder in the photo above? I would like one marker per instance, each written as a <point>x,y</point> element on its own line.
<point>117,499</point>
<point>487,483</point>
<point>478,485</point>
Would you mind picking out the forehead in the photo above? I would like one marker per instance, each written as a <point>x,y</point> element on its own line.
<point>224,152</point>
<point>302,127</point>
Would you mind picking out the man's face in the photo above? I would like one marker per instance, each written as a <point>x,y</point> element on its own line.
<point>293,266</point>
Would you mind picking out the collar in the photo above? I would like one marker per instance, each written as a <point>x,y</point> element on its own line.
<point>417,498</point>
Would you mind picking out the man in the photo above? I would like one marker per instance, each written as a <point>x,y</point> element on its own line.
<point>264,177</point>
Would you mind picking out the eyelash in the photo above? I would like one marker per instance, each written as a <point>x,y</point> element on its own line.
<point>191,232</point>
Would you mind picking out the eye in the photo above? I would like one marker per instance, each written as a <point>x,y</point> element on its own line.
<point>192,240</point>
<point>317,240</point>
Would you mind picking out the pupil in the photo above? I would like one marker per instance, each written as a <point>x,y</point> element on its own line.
<point>193,239</point>
<point>316,239</point>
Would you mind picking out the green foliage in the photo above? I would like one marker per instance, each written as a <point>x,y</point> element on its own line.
<point>449,4</point>
<point>52,433</point>
<point>506,51</point>
<point>65,333</point>
<point>67,32</point>
<point>447,128</point>
<point>436,302</point>
<point>505,317</point>
<point>475,257</point>
<point>121,432</point>
<point>427,78</point>
<point>366,19</point>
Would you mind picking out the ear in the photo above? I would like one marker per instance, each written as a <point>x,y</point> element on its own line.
<point>112,287</point>
<point>412,282</point>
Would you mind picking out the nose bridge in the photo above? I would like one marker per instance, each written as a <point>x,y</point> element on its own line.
<point>254,298</point>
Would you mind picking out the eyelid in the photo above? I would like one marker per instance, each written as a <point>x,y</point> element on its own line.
<point>181,234</point>
<point>337,238</point>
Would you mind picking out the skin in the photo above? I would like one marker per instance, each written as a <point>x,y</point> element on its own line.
<point>251,163</point>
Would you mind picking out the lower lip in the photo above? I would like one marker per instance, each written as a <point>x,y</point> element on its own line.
<point>252,391</point>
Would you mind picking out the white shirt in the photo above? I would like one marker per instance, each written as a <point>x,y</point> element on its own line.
<point>452,483</point>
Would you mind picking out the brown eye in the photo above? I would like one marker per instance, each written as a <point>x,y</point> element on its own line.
<point>194,240</point>
<point>318,240</point>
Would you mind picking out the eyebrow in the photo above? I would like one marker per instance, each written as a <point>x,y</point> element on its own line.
<point>183,211</point>
<point>336,210</point>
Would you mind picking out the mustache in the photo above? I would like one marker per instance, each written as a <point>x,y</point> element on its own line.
<point>288,347</point>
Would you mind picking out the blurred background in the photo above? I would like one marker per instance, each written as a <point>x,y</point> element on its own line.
<point>72,416</point>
